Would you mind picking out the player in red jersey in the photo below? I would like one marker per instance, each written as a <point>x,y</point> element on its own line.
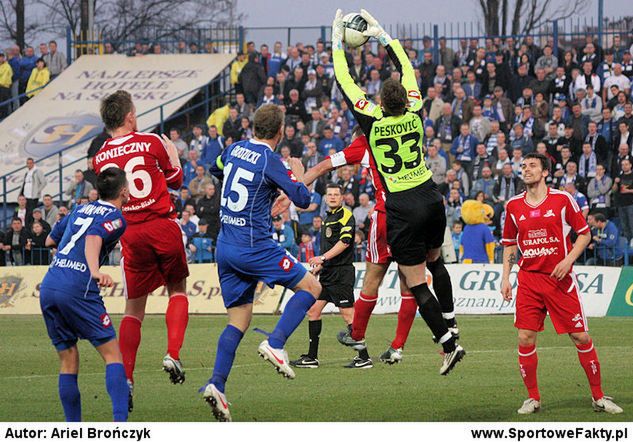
<point>538,223</point>
<point>378,258</point>
<point>152,247</point>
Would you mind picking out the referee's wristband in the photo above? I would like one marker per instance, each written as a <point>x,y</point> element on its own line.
<point>323,259</point>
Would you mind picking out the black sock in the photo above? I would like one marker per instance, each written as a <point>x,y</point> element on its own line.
<point>314,330</point>
<point>451,322</point>
<point>349,327</point>
<point>431,312</point>
<point>363,354</point>
<point>442,285</point>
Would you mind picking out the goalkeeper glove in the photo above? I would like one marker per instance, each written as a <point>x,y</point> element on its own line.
<point>374,29</point>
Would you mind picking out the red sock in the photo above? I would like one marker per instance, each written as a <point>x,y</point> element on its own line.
<point>363,307</point>
<point>589,361</point>
<point>406,316</point>
<point>129,340</point>
<point>528,362</point>
<point>176,317</point>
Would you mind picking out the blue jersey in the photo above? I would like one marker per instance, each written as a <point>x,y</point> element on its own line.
<point>69,272</point>
<point>253,176</point>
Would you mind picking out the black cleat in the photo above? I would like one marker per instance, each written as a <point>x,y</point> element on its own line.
<point>360,363</point>
<point>305,361</point>
<point>130,396</point>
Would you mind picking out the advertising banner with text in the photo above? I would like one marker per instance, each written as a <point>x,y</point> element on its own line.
<point>66,112</point>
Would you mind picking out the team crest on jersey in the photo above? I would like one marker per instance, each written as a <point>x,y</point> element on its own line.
<point>549,214</point>
<point>328,232</point>
<point>111,226</point>
<point>105,320</point>
<point>535,213</point>
<point>414,95</point>
<point>59,133</point>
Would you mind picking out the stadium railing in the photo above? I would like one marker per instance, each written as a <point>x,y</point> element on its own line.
<point>12,100</point>
<point>205,103</point>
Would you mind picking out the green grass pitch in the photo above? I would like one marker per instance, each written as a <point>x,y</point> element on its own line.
<point>485,386</point>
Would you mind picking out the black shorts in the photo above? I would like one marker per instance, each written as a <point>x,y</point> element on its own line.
<point>416,222</point>
<point>338,285</point>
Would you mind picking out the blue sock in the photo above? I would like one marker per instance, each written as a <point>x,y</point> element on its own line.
<point>70,397</point>
<point>227,345</point>
<point>294,313</point>
<point>117,387</point>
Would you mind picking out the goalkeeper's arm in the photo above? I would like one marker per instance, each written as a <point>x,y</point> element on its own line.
<point>407,75</point>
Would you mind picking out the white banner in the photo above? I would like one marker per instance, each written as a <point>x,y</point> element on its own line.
<point>66,112</point>
<point>477,287</point>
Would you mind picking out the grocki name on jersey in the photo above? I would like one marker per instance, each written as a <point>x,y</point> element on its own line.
<point>543,251</point>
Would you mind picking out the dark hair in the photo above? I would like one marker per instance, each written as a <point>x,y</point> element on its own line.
<point>110,182</point>
<point>175,129</point>
<point>114,108</point>
<point>394,97</point>
<point>334,186</point>
<point>600,217</point>
<point>358,131</point>
<point>545,163</point>
<point>267,121</point>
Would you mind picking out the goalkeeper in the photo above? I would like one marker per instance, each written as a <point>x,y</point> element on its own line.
<point>415,211</point>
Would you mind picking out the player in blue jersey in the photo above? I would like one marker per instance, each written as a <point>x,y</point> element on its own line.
<point>69,294</point>
<point>253,175</point>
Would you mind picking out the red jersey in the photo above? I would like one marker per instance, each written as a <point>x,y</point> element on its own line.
<point>358,153</point>
<point>542,232</point>
<point>144,158</point>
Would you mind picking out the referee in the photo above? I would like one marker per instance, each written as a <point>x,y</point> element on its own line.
<point>337,276</point>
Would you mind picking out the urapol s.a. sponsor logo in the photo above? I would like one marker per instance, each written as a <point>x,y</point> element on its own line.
<point>59,133</point>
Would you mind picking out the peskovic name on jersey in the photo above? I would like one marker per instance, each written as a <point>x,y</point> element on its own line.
<point>246,154</point>
<point>396,129</point>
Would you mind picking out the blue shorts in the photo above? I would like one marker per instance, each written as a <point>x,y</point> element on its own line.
<point>241,268</point>
<point>70,317</point>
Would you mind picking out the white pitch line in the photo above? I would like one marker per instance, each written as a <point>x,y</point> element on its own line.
<point>329,362</point>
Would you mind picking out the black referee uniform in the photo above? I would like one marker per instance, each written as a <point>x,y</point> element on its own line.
<point>338,274</point>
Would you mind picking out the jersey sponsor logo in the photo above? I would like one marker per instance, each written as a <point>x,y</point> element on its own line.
<point>233,220</point>
<point>535,213</point>
<point>65,263</point>
<point>361,104</point>
<point>540,241</point>
<point>549,214</point>
<point>286,264</point>
<point>415,95</point>
<point>542,251</point>
<point>111,226</point>
<point>292,176</point>
<point>105,320</point>
<point>540,233</point>
<point>140,206</point>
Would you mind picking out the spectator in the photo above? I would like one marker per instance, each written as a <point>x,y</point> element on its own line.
<point>55,60</point>
<point>208,208</point>
<point>23,212</point>
<point>547,62</point>
<point>243,108</point>
<point>485,184</point>
<point>479,125</point>
<point>284,235</point>
<point>571,176</point>
<point>597,142</point>
<point>362,212</point>
<point>198,184</point>
<point>186,225</point>
<point>6,79</point>
<point>97,142</point>
<point>189,169</point>
<point>27,64</point>
<point>447,127</point>
<point>482,159</point>
<point>89,173</point>
<point>232,125</point>
<point>268,97</point>
<point>579,197</point>
<point>453,206</point>
<point>463,148</point>
<point>312,91</point>
<point>522,140</point>
<point>252,78</point>
<point>606,239</point>
<point>516,161</point>
<point>15,243</point>
<point>623,189</point>
<point>200,244</point>
<point>292,142</point>
<point>183,200</point>
<point>436,163</point>
<point>306,215</point>
<point>38,216</point>
<point>33,184</point>
<point>599,189</point>
<point>199,140</point>
<point>456,238</point>
<point>15,61</point>
<point>501,161</point>
<point>587,163</point>
<point>175,137</point>
<point>591,105</point>
<point>619,79</point>
<point>329,141</point>
<point>79,188</point>
<point>503,105</point>
<point>36,245</point>
<point>93,196</point>
<point>295,109</point>
<point>245,131</point>
<point>50,210</point>
<point>40,76</point>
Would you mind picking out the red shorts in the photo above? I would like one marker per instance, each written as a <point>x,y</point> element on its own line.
<point>539,294</point>
<point>153,255</point>
<point>377,248</point>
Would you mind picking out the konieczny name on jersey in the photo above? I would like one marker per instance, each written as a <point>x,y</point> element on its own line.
<point>246,154</point>
<point>125,149</point>
<point>396,129</point>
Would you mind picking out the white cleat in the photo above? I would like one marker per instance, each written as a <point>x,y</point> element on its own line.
<point>606,404</point>
<point>530,406</point>
<point>451,359</point>
<point>277,357</point>
<point>174,368</point>
<point>391,356</point>
<point>218,403</point>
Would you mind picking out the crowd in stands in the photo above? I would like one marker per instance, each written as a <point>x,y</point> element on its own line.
<point>23,73</point>
<point>485,107</point>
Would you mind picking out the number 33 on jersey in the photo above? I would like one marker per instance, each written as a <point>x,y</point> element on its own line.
<point>144,158</point>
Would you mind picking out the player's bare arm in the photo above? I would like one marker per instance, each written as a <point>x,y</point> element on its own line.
<point>172,151</point>
<point>296,166</point>
<point>562,268</point>
<point>93,249</point>
<point>509,259</point>
<point>317,171</point>
<point>280,205</point>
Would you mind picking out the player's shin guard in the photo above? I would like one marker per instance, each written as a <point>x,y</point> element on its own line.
<point>363,307</point>
<point>292,316</point>
<point>116,384</point>
<point>227,346</point>
<point>443,289</point>
<point>129,340</point>
<point>314,331</point>
<point>70,397</point>
<point>176,318</point>
<point>431,312</point>
<point>406,316</point>
<point>528,363</point>
<point>589,361</point>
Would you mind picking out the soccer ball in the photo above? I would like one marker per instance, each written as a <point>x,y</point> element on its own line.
<point>353,27</point>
